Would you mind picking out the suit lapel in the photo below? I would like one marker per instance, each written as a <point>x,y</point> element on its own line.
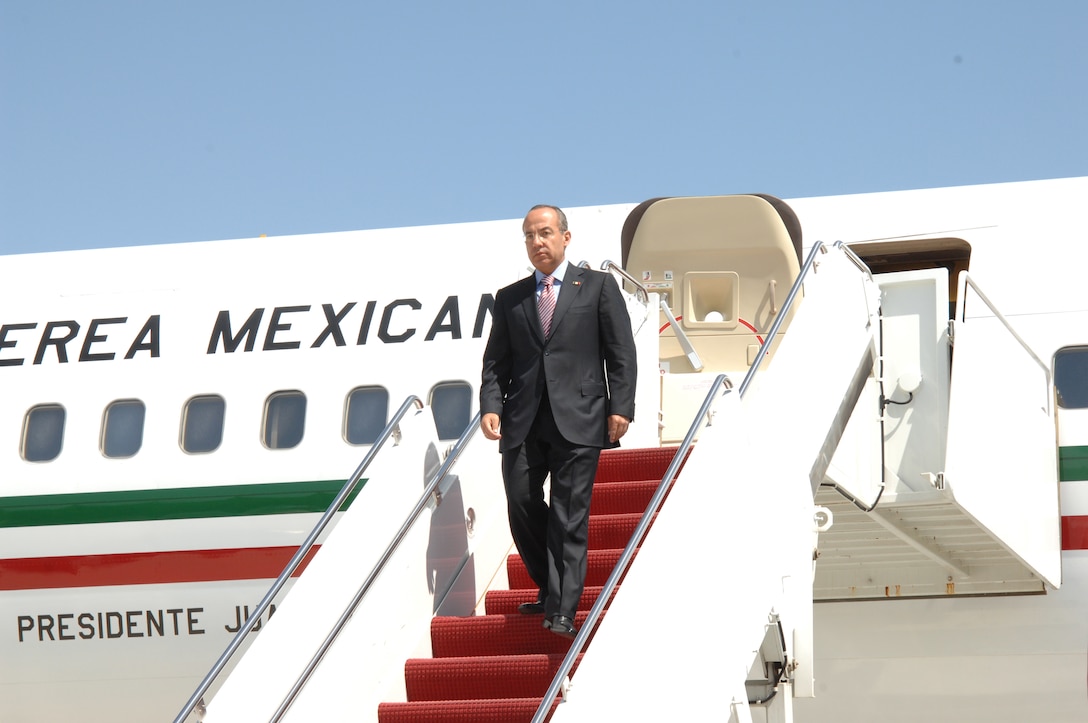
<point>572,284</point>
<point>528,306</point>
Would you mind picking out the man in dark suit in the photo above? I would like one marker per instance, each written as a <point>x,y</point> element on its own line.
<point>559,382</point>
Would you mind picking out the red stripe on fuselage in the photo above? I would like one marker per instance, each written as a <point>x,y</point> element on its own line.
<point>253,563</point>
<point>1075,532</point>
<point>147,568</point>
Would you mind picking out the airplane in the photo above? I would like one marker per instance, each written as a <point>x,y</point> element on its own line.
<point>885,394</point>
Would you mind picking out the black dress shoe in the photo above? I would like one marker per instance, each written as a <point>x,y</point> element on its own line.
<point>532,608</point>
<point>561,625</point>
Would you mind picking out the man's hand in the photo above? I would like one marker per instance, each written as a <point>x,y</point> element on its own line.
<point>617,427</point>
<point>489,425</point>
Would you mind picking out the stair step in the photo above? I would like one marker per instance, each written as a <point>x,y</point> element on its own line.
<point>607,532</point>
<point>501,710</point>
<point>496,635</point>
<point>598,567</point>
<point>611,498</point>
<point>621,465</point>
<point>481,677</point>
<point>505,602</point>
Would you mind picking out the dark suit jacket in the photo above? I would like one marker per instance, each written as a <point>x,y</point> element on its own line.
<point>587,364</point>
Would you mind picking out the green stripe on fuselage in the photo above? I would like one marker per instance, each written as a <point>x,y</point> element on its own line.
<point>171,504</point>
<point>1072,464</point>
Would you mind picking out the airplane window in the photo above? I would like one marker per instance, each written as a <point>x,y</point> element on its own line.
<point>1071,377</point>
<point>202,424</point>
<point>284,419</point>
<point>123,428</point>
<point>451,403</point>
<point>43,433</point>
<point>366,415</point>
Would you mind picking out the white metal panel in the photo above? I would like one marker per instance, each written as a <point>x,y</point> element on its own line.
<point>823,366</point>
<point>724,502</point>
<point>914,313</point>
<point>1002,458</point>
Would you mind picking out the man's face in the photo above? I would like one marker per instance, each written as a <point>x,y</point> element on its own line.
<point>544,242</point>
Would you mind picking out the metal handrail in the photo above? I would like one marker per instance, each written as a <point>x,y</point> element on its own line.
<point>432,490</point>
<point>968,280</point>
<point>685,341</point>
<point>810,263</point>
<point>620,568</point>
<point>640,290</point>
<point>855,259</point>
<point>391,429</point>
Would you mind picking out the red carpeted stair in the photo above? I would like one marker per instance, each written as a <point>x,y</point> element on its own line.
<point>496,668</point>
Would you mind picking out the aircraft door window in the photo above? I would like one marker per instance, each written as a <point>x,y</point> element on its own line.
<point>366,415</point>
<point>1071,377</point>
<point>43,433</point>
<point>202,424</point>
<point>123,428</point>
<point>284,419</point>
<point>451,403</point>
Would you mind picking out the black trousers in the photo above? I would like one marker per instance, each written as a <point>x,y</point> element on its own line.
<point>552,539</point>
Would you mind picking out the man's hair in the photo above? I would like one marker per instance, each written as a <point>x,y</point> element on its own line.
<point>558,212</point>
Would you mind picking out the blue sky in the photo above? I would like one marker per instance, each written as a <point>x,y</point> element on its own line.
<point>145,122</point>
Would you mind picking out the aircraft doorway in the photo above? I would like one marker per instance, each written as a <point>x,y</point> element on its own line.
<point>884,257</point>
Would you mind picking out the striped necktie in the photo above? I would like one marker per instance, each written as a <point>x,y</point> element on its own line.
<point>546,305</point>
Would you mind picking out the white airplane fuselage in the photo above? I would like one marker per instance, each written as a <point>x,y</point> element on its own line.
<point>123,575</point>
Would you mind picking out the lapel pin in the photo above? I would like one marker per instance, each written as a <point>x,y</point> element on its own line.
<point>576,283</point>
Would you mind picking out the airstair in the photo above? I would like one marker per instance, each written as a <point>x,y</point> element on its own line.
<point>925,482</point>
<point>970,502</point>
<point>844,452</point>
